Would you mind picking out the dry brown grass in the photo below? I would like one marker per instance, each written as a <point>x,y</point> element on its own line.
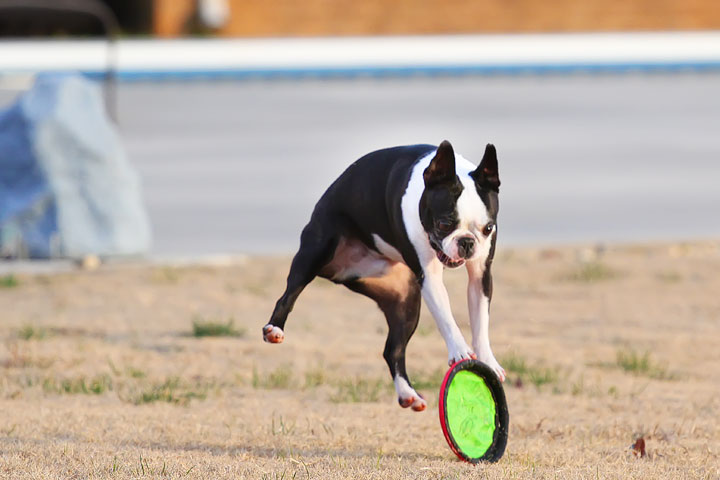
<point>116,386</point>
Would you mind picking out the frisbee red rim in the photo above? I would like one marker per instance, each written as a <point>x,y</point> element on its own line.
<point>497,448</point>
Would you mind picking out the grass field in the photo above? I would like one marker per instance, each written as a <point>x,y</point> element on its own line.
<point>152,372</point>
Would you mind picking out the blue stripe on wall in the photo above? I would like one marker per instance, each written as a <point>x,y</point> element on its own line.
<point>405,71</point>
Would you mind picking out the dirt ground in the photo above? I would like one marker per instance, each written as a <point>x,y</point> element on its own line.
<point>101,375</point>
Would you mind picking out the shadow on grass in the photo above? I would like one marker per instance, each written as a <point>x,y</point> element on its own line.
<point>217,449</point>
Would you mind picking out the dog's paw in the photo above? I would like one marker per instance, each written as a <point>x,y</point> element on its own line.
<point>494,366</point>
<point>273,334</point>
<point>416,402</point>
<point>459,353</point>
<point>407,396</point>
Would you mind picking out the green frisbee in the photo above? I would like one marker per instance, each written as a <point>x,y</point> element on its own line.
<point>473,412</point>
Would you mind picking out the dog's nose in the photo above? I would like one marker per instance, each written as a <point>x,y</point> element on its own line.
<point>466,246</point>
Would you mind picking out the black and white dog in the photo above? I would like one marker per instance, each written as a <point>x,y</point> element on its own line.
<point>386,228</point>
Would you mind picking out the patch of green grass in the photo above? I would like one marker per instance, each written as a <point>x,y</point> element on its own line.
<point>315,377</point>
<point>29,332</point>
<point>592,272</point>
<point>280,378</point>
<point>9,281</point>
<point>640,364</point>
<point>513,363</point>
<point>540,375</point>
<point>536,374</point>
<point>135,372</point>
<point>357,390</point>
<point>578,387</point>
<point>130,371</point>
<point>135,388</point>
<point>590,389</point>
<point>95,385</point>
<point>281,427</point>
<point>210,328</point>
<point>428,380</point>
<point>171,390</point>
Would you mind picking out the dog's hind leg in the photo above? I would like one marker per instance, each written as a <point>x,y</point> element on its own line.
<point>398,295</point>
<point>317,246</point>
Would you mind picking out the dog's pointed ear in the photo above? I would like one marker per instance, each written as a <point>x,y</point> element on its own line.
<point>442,167</point>
<point>486,174</point>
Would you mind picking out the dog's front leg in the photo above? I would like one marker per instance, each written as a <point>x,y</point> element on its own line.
<point>437,300</point>
<point>479,294</point>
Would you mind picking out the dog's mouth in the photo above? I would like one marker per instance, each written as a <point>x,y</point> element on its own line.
<point>447,261</point>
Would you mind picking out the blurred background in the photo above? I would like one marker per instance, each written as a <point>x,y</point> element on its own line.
<point>185,128</point>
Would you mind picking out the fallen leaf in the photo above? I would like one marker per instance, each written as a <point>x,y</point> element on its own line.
<point>638,448</point>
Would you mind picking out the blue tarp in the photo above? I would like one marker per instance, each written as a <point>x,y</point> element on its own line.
<point>66,187</point>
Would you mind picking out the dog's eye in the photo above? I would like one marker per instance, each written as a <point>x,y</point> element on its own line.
<point>444,225</point>
<point>487,230</point>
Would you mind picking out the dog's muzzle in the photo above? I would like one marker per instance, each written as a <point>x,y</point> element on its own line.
<point>444,259</point>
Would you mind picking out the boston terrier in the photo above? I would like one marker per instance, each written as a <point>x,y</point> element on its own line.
<point>386,228</point>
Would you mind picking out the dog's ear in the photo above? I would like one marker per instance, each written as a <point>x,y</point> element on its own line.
<point>486,174</point>
<point>442,167</point>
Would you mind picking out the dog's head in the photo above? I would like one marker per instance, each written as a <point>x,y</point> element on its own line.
<point>459,212</point>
